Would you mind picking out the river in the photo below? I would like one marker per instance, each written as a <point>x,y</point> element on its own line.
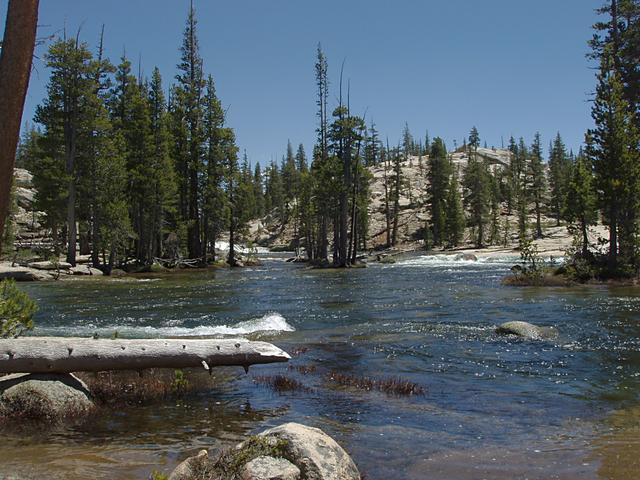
<point>493,407</point>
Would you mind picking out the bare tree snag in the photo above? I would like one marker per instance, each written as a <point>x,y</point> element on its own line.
<point>15,70</point>
<point>65,355</point>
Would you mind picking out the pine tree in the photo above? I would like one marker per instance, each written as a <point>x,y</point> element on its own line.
<point>616,164</point>
<point>538,183</point>
<point>440,170</point>
<point>258,190</point>
<point>215,218</point>
<point>522,188</point>
<point>28,149</point>
<point>477,192</point>
<point>274,194</point>
<point>395,189</point>
<point>455,221</point>
<point>163,178</point>
<point>321,165</point>
<point>372,147</point>
<point>496,207</point>
<point>107,196</point>
<point>64,121</point>
<point>289,174</point>
<point>559,167</point>
<point>132,119</point>
<point>301,160</point>
<point>189,94</point>
<point>232,179</point>
<point>581,198</point>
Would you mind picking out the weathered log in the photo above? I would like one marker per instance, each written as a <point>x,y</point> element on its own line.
<point>64,355</point>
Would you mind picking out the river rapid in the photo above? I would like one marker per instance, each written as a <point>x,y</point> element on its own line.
<point>493,407</point>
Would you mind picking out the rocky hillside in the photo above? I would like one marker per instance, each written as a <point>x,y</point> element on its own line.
<point>413,216</point>
<point>28,230</point>
<point>269,232</point>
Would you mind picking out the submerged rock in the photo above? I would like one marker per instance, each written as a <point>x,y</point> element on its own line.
<point>386,259</point>
<point>41,396</point>
<point>526,330</point>
<point>467,257</point>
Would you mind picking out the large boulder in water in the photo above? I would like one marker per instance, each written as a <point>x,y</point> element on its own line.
<point>526,330</point>
<point>289,452</point>
<point>316,454</point>
<point>41,396</point>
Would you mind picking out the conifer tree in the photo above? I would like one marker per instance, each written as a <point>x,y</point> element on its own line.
<point>232,179</point>
<point>289,174</point>
<point>455,220</point>
<point>559,168</point>
<point>372,147</point>
<point>215,199</point>
<point>301,160</point>
<point>616,164</point>
<point>538,184</point>
<point>162,174</point>
<point>62,118</point>
<point>27,152</point>
<point>189,94</point>
<point>396,188</point>
<point>581,198</point>
<point>321,165</point>
<point>439,174</point>
<point>477,189</point>
<point>523,188</point>
<point>258,190</point>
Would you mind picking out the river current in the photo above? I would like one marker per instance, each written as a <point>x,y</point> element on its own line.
<point>493,407</point>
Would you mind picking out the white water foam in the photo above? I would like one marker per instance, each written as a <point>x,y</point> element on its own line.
<point>224,247</point>
<point>447,260</point>
<point>271,322</point>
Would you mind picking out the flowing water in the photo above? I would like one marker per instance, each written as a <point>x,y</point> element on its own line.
<point>493,407</point>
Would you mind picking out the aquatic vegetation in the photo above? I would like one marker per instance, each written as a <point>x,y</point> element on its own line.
<point>303,369</point>
<point>296,352</point>
<point>281,383</point>
<point>392,385</point>
<point>131,388</point>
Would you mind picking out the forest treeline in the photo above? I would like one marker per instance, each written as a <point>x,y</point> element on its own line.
<point>130,173</point>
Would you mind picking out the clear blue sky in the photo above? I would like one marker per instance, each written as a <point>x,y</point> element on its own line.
<point>510,67</point>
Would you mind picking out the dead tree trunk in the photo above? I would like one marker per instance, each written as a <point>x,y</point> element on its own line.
<point>64,355</point>
<point>15,70</point>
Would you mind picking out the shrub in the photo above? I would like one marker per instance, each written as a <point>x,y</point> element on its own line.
<point>16,310</point>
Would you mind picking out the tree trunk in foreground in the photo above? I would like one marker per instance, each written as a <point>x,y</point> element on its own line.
<point>15,69</point>
<point>64,355</point>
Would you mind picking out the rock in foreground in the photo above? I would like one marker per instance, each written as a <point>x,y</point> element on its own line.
<point>289,452</point>
<point>316,454</point>
<point>270,468</point>
<point>526,330</point>
<point>50,397</point>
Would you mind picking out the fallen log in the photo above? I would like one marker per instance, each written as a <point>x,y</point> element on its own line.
<point>65,355</point>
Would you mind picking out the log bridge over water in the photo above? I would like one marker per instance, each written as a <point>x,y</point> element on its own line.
<point>66,355</point>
